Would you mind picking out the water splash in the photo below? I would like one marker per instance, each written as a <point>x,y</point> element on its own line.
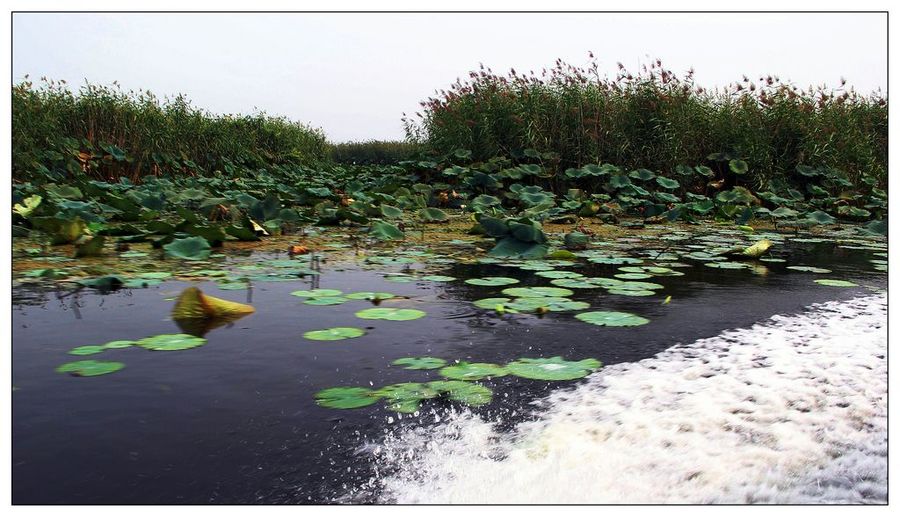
<point>792,410</point>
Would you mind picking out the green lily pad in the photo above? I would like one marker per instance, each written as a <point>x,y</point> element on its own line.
<point>472,371</point>
<point>559,274</point>
<point>574,283</point>
<point>831,282</point>
<point>552,369</point>
<point>390,314</point>
<point>468,393</point>
<point>369,295</point>
<point>334,334</point>
<point>317,293</point>
<point>809,269</point>
<point>171,342</point>
<point>325,300</point>
<point>531,292</point>
<point>122,343</point>
<point>90,368</point>
<point>630,292</point>
<point>346,397</point>
<point>612,319</point>
<point>490,303</point>
<point>439,278</point>
<point>192,248</point>
<point>633,276</point>
<point>87,350</point>
<point>406,397</point>
<point>420,363</point>
<point>492,281</point>
<point>614,260</point>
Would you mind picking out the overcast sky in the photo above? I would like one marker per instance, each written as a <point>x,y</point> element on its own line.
<point>354,74</point>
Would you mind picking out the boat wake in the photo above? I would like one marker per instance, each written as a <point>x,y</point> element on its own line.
<point>790,410</point>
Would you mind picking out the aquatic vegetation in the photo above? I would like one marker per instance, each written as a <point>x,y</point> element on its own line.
<point>346,397</point>
<point>832,282</point>
<point>194,304</point>
<point>90,368</point>
<point>552,369</point>
<point>420,363</point>
<point>191,248</point>
<point>171,342</point>
<point>492,281</point>
<point>334,334</point>
<point>362,295</point>
<point>390,314</point>
<point>612,319</point>
<point>464,371</point>
<point>531,292</point>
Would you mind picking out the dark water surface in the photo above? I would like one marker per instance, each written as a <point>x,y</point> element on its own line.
<point>234,421</point>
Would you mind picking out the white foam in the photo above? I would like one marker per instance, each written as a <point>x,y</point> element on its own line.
<point>791,410</point>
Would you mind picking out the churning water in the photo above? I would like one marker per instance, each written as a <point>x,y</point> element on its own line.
<point>790,410</point>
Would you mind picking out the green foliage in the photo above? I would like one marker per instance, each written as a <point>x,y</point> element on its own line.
<point>373,152</point>
<point>656,119</point>
<point>105,132</point>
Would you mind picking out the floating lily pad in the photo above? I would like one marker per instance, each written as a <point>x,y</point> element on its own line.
<point>87,350</point>
<point>630,292</point>
<point>334,334</point>
<point>90,368</point>
<point>325,300</point>
<point>369,295</point>
<point>439,278</point>
<point>122,343</point>
<point>530,292</point>
<point>614,260</point>
<point>472,371</point>
<point>612,319</point>
<point>831,282</point>
<point>809,269</point>
<point>552,369</point>
<point>390,314</point>
<point>490,303</point>
<point>420,363</point>
<point>559,274</point>
<point>466,392</point>
<point>492,281</point>
<point>406,397</point>
<point>316,293</point>
<point>574,283</point>
<point>633,276</point>
<point>346,397</point>
<point>171,342</point>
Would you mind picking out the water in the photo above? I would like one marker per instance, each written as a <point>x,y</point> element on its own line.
<point>235,421</point>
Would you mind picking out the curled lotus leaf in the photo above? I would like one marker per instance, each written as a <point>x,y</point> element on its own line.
<point>552,369</point>
<point>194,304</point>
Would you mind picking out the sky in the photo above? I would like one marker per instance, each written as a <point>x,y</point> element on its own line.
<point>353,75</point>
